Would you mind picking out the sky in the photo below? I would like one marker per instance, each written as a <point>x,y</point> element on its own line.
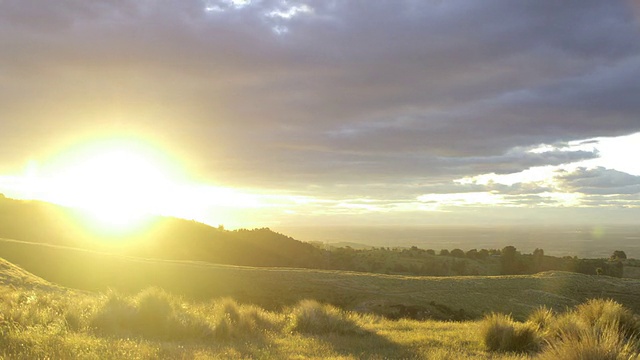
<point>328,112</point>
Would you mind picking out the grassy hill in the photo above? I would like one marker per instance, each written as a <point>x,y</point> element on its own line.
<point>275,288</point>
<point>39,319</point>
<point>159,237</point>
<point>38,323</point>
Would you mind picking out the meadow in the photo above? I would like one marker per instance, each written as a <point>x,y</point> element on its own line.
<point>452,297</point>
<point>41,320</point>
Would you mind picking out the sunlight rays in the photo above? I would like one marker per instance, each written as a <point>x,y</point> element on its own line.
<point>120,183</point>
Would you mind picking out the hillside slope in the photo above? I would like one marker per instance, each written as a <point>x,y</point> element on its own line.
<point>273,288</point>
<point>160,237</point>
<point>13,276</point>
<point>44,324</point>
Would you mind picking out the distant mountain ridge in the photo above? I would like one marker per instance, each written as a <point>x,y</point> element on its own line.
<point>163,237</point>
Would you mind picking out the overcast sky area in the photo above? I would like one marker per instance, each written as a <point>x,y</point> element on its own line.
<point>343,112</point>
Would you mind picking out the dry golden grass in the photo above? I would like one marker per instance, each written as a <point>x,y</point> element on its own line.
<point>39,320</point>
<point>35,324</point>
<point>276,288</point>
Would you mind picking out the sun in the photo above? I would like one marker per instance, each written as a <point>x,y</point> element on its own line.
<point>120,184</point>
<point>117,182</point>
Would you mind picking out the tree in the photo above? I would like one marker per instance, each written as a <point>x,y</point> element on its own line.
<point>483,254</point>
<point>457,253</point>
<point>444,252</point>
<point>618,255</point>
<point>538,259</point>
<point>472,254</point>
<point>508,260</point>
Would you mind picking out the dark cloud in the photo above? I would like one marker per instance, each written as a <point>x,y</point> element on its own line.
<point>347,97</point>
<point>600,181</point>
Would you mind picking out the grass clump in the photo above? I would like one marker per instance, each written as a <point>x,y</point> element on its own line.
<point>595,330</point>
<point>312,317</point>
<point>232,320</point>
<point>606,313</point>
<point>542,318</point>
<point>591,343</point>
<point>501,333</point>
<point>153,313</point>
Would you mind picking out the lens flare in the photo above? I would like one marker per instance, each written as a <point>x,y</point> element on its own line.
<point>117,182</point>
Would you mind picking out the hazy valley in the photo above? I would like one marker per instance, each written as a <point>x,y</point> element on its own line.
<point>584,241</point>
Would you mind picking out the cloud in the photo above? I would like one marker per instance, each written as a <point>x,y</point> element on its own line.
<point>338,99</point>
<point>599,181</point>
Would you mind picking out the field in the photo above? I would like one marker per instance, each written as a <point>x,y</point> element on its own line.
<point>273,288</point>
<point>41,320</point>
<point>68,303</point>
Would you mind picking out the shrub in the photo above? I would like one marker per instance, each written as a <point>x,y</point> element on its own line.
<point>500,333</point>
<point>309,316</point>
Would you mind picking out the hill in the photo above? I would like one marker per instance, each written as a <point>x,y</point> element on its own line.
<point>15,277</point>
<point>275,288</point>
<point>160,237</point>
<point>39,323</point>
<point>41,320</point>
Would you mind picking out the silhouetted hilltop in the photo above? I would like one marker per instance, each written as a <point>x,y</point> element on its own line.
<point>159,237</point>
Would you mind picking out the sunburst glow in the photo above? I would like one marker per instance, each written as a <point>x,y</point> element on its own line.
<point>118,182</point>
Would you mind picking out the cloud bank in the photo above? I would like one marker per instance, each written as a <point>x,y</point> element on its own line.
<point>341,100</point>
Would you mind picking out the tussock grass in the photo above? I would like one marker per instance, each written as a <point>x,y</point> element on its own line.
<point>542,318</point>
<point>597,329</point>
<point>601,313</point>
<point>309,316</point>
<point>501,333</point>
<point>232,320</point>
<point>592,343</point>
<point>153,313</point>
<point>154,324</point>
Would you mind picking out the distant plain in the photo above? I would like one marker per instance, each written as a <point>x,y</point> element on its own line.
<point>582,241</point>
